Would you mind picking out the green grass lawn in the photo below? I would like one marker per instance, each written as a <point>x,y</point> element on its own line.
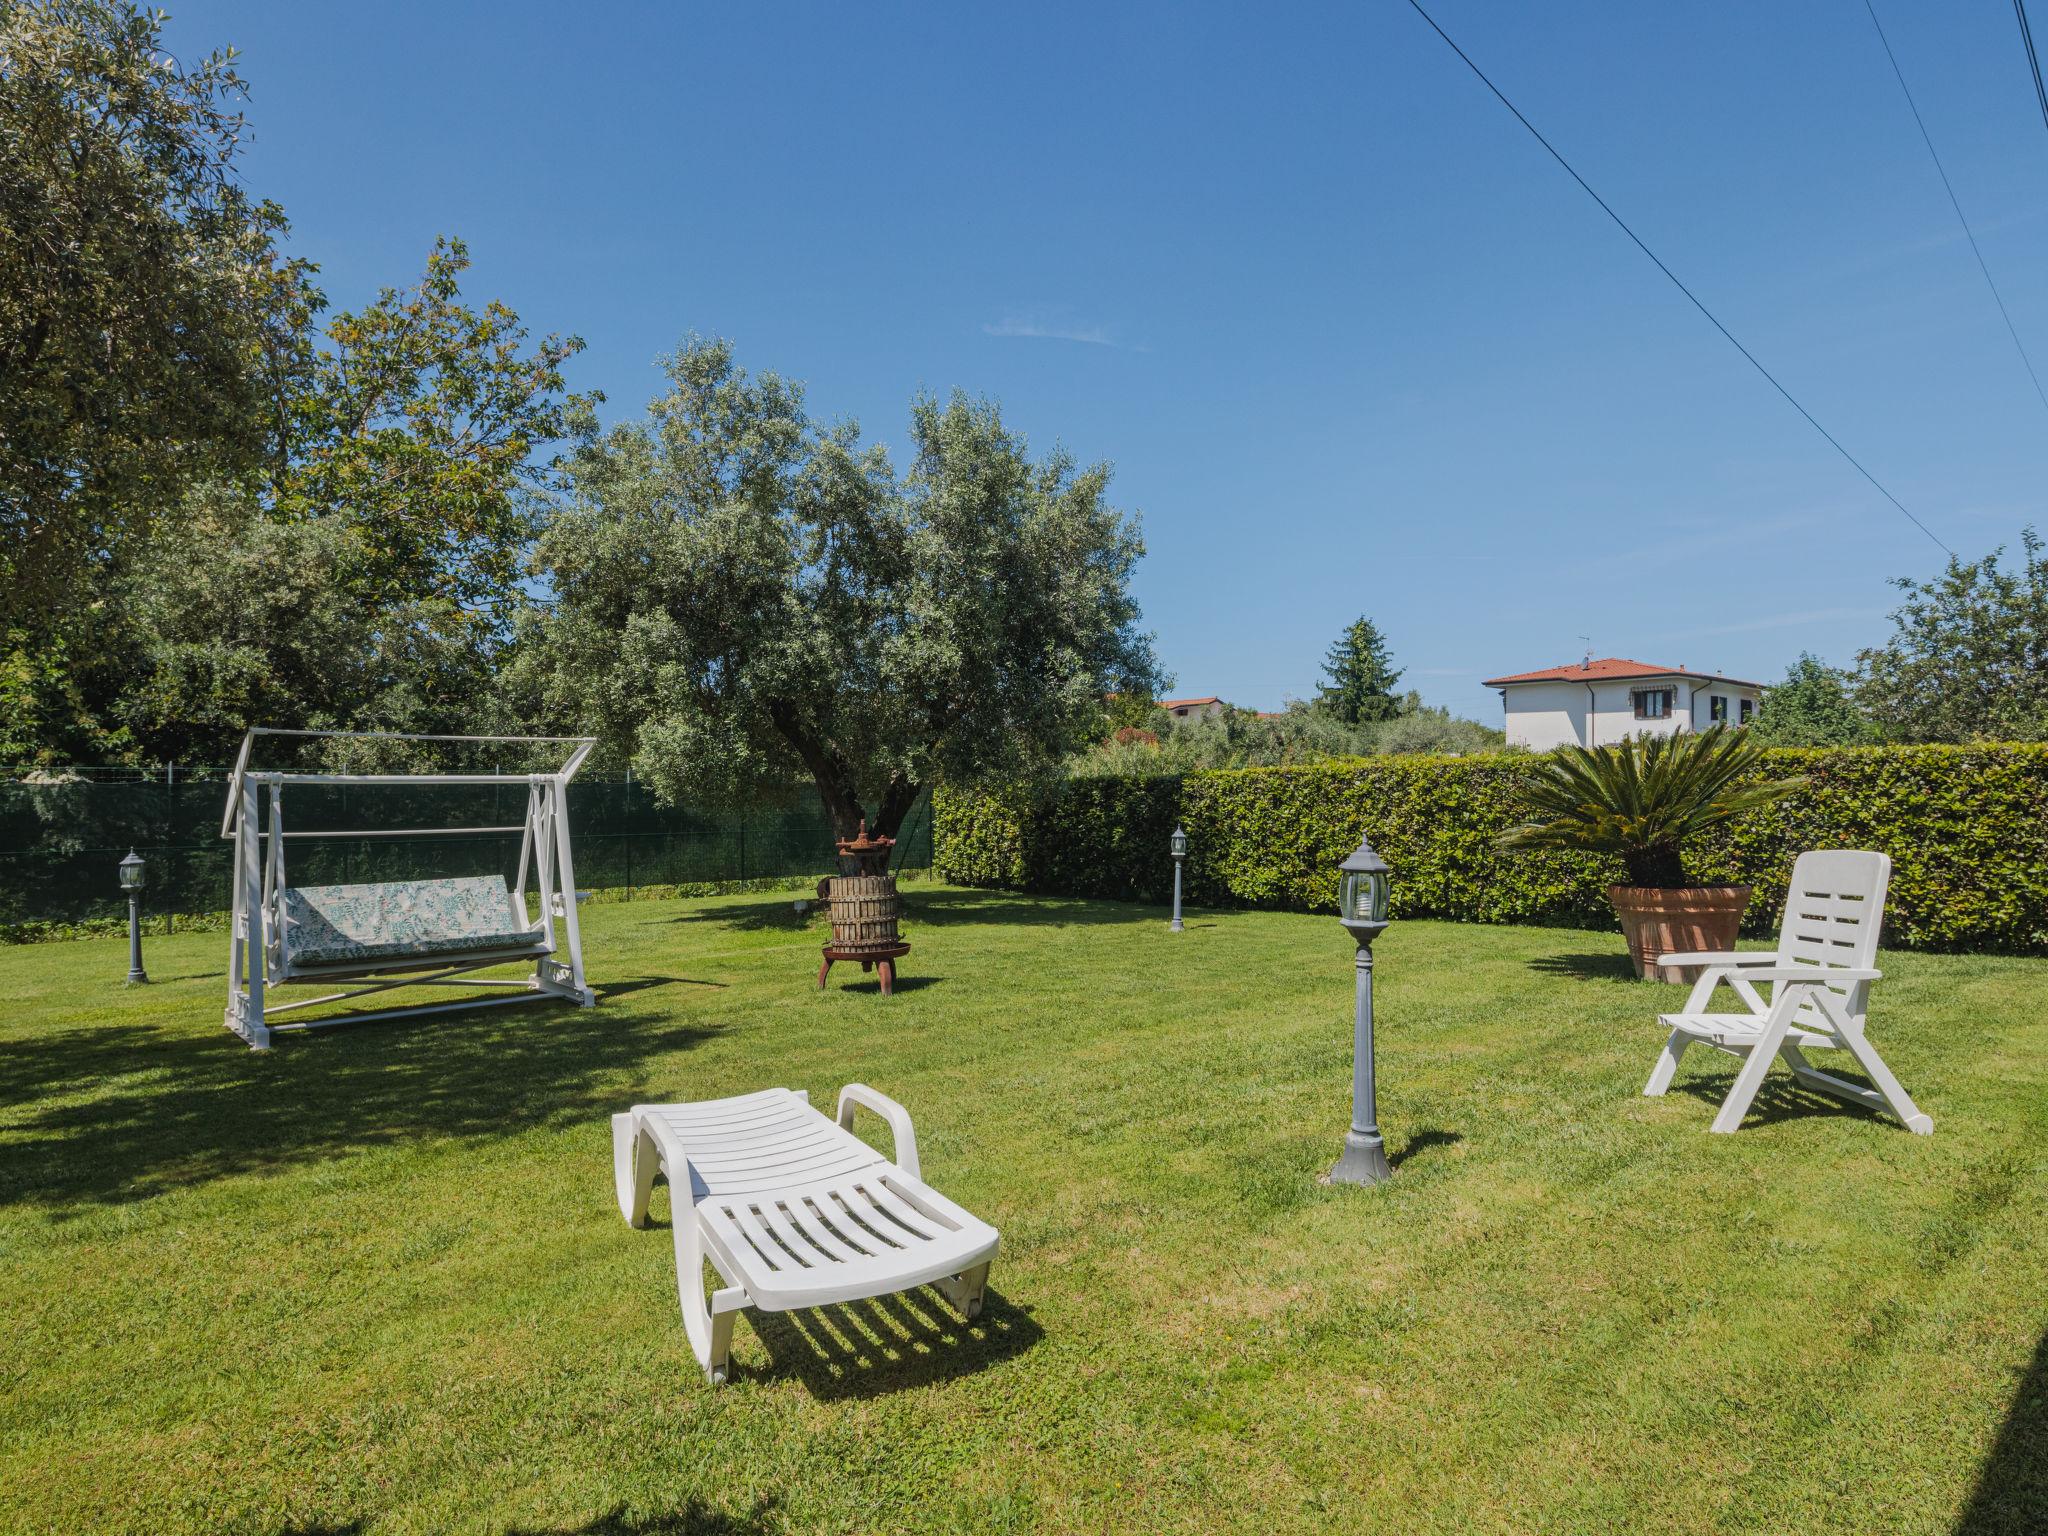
<point>375,1280</point>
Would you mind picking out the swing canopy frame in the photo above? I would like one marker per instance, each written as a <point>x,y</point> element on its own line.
<point>378,937</point>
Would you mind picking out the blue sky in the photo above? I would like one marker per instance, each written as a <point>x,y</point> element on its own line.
<point>1352,341</point>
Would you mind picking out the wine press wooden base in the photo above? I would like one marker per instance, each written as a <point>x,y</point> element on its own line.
<point>870,959</point>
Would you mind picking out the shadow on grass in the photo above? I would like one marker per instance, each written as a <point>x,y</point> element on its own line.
<point>1782,1097</point>
<point>695,1518</point>
<point>874,983</point>
<point>625,988</point>
<point>939,909</point>
<point>2011,1498</point>
<point>1590,967</point>
<point>1421,1142</point>
<point>118,1112</point>
<point>864,1349</point>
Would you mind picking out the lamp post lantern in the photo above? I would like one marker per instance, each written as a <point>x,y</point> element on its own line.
<point>1179,844</point>
<point>1362,908</point>
<point>131,881</point>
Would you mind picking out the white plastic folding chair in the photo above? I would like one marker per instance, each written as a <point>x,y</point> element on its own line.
<point>1820,975</point>
<point>792,1209</point>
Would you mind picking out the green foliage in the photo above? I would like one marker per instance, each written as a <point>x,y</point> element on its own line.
<point>422,423</point>
<point>1812,707</point>
<point>1239,738</point>
<point>1644,798</point>
<point>143,302</point>
<point>745,595</point>
<point>1967,830</point>
<point>1133,709</point>
<point>161,363</point>
<point>1424,728</point>
<point>240,618</point>
<point>1968,657</point>
<point>1362,675</point>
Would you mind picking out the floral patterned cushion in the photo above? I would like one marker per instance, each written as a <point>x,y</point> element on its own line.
<point>400,919</point>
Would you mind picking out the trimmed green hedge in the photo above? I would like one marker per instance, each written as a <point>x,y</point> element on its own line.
<point>1967,829</point>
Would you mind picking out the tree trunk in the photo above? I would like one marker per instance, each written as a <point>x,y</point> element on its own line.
<point>897,801</point>
<point>1660,867</point>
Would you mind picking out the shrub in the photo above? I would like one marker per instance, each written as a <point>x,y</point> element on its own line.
<point>1967,829</point>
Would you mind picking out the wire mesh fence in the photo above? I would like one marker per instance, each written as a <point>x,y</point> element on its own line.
<point>62,832</point>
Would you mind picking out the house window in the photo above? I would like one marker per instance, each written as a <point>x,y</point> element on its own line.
<point>1748,709</point>
<point>1652,703</point>
<point>1717,707</point>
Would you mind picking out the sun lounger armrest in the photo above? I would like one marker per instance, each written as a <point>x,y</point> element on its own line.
<point>1725,958</point>
<point>897,1116</point>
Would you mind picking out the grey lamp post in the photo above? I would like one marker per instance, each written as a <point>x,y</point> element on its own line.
<point>1179,844</point>
<point>131,882</point>
<point>1362,907</point>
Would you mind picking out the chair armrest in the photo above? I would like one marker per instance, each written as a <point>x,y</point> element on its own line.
<point>1806,973</point>
<point>897,1116</point>
<point>1745,959</point>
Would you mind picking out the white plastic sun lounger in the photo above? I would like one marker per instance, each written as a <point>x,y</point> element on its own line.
<point>793,1210</point>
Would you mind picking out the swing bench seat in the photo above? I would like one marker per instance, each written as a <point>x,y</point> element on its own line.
<point>331,929</point>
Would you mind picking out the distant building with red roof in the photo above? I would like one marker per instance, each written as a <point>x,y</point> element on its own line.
<point>1193,709</point>
<point>1598,702</point>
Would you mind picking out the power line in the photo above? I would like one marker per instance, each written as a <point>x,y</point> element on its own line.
<point>2033,59</point>
<point>1928,139</point>
<point>1622,225</point>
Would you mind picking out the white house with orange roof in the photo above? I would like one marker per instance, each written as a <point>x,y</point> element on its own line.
<point>1598,702</point>
<point>1193,709</point>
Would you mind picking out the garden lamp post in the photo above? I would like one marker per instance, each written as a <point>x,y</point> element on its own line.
<point>1362,908</point>
<point>131,882</point>
<point>1179,844</point>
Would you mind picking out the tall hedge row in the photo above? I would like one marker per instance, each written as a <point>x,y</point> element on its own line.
<point>1967,829</point>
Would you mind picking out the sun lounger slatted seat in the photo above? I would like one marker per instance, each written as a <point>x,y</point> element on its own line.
<point>792,1210</point>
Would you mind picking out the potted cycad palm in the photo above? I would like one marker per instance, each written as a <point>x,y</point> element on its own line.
<point>1641,800</point>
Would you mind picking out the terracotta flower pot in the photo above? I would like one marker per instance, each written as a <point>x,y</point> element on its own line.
<point>1657,922</point>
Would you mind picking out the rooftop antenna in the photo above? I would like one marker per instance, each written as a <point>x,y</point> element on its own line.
<point>1587,664</point>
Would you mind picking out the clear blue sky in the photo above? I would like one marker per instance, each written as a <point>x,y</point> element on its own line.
<point>1353,342</point>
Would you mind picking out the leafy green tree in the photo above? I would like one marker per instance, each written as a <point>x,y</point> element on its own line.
<point>743,596</point>
<point>1968,656</point>
<point>1423,728</point>
<point>375,582</point>
<point>241,618</point>
<point>1813,707</point>
<point>145,314</point>
<point>421,421</point>
<point>153,341</point>
<point>1361,673</point>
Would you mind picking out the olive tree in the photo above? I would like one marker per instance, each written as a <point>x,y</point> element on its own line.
<point>743,597</point>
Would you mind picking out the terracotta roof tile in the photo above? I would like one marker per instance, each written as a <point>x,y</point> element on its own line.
<point>1609,669</point>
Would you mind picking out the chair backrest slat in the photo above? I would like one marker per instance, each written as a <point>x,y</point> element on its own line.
<point>1834,912</point>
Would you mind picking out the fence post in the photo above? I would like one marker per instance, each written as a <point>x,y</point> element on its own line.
<point>743,847</point>
<point>629,866</point>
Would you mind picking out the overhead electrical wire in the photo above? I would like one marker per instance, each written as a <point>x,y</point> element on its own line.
<point>1712,319</point>
<point>1940,170</point>
<point>2033,59</point>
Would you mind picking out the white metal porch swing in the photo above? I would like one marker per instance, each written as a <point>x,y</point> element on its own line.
<point>402,933</point>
